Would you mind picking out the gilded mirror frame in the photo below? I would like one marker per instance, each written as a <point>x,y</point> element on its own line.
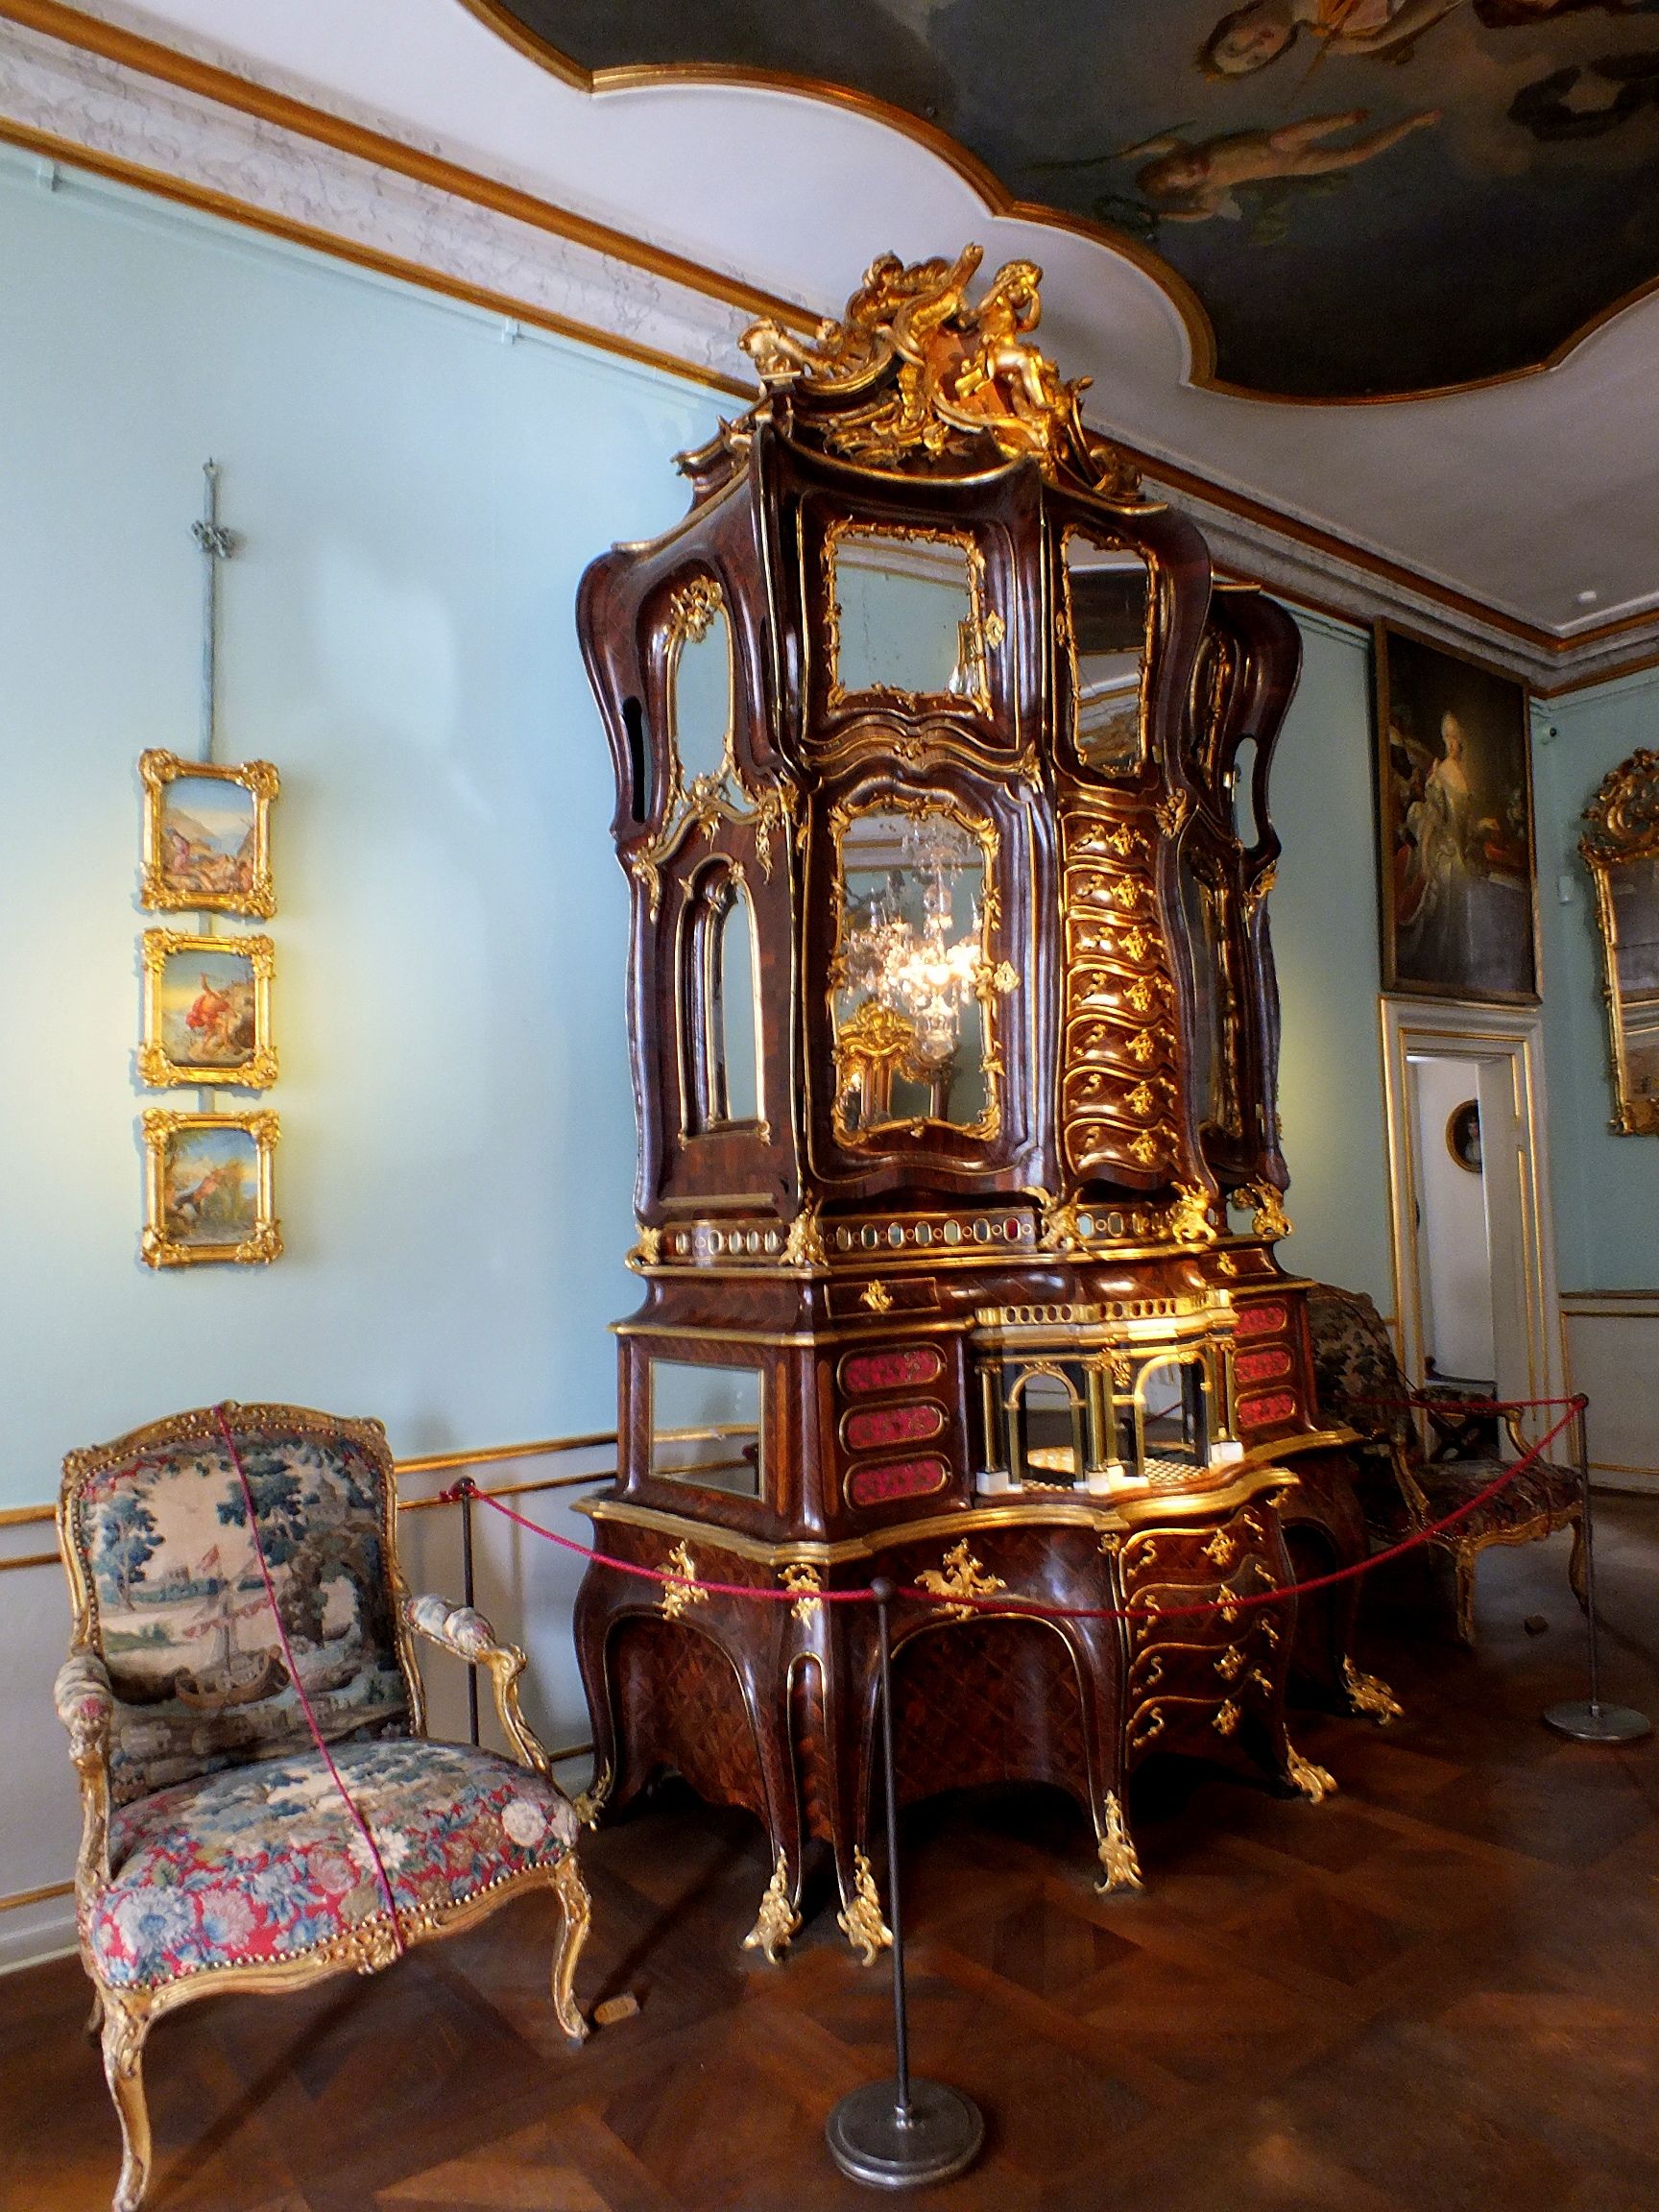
<point>988,627</point>
<point>992,977</point>
<point>1621,827</point>
<point>1066,625</point>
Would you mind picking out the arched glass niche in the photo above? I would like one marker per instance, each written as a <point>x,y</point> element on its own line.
<point>909,981</point>
<point>1108,611</point>
<point>719,1001</point>
<point>909,618</point>
<point>700,682</point>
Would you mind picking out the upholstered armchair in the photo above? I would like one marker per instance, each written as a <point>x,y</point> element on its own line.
<point>220,1849</point>
<point>1361,1385</point>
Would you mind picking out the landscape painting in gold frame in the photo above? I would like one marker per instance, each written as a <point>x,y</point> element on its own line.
<point>207,1011</point>
<point>208,1184</point>
<point>1455,811</point>
<point>207,835</point>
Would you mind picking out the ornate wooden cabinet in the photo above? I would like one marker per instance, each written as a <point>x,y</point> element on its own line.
<point>942,778</point>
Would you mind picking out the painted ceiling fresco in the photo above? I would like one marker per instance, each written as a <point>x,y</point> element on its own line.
<point>1365,196</point>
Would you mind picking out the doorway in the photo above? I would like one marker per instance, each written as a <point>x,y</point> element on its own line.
<point>1474,1253</point>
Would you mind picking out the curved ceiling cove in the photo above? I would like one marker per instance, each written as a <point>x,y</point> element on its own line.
<point>1368,198</point>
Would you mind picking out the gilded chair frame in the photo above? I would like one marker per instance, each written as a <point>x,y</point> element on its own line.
<point>122,2017</point>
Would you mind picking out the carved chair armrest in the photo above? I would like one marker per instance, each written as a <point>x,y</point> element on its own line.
<point>85,1704</point>
<point>464,1632</point>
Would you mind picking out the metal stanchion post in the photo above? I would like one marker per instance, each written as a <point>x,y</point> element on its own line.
<point>904,2133</point>
<point>1589,1720</point>
<point>463,1490</point>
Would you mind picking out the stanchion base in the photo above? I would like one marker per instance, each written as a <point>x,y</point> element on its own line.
<point>866,2142</point>
<point>1587,1723</point>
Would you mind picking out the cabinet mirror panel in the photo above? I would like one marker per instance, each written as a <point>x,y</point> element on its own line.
<point>1621,843</point>
<point>908,615</point>
<point>706,1426</point>
<point>719,1001</point>
<point>910,984</point>
<point>1210,956</point>
<point>1109,599</point>
<point>700,682</point>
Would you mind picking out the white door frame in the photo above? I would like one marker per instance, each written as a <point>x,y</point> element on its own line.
<point>1509,1042</point>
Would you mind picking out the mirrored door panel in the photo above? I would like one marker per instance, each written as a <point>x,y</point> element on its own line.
<point>908,615</point>
<point>911,979</point>
<point>1108,610</point>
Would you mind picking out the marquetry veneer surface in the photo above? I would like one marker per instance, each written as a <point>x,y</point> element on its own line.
<point>1438,1991</point>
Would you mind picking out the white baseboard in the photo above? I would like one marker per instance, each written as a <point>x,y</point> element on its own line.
<point>32,1933</point>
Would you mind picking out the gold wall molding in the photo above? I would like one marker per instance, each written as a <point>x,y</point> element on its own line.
<point>1301,561</point>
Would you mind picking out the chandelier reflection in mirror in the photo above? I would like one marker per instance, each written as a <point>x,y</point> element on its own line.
<point>910,982</point>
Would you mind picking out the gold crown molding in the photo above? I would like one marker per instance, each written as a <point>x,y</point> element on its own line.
<point>1000,202</point>
<point>207,201</point>
<point>152,59</point>
<point>70,27</point>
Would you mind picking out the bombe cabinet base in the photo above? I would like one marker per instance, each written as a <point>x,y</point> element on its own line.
<point>771,1703</point>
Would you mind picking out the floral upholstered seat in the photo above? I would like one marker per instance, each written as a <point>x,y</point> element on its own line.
<point>1360,1386</point>
<point>260,1803</point>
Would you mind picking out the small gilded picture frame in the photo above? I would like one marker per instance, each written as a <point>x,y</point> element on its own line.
<point>208,1183</point>
<point>206,844</point>
<point>207,1011</point>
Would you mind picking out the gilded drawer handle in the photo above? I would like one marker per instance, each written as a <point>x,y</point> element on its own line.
<point>1154,1673</point>
<point>1221,1548</point>
<point>1268,1633</point>
<point>1231,1664</point>
<point>1261,1682</point>
<point>1145,1729</point>
<point>1229,1611</point>
<point>1226,1720</point>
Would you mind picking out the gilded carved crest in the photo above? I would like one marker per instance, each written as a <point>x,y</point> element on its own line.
<point>914,368</point>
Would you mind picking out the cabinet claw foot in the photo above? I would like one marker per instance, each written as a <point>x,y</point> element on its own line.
<point>1314,1783</point>
<point>1120,1869</point>
<point>860,1919</point>
<point>777,1920</point>
<point>1371,1695</point>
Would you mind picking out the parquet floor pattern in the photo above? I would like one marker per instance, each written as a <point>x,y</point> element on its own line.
<point>1439,1989</point>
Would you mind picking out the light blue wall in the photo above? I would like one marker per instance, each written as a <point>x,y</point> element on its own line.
<point>1323,912</point>
<point>417,501</point>
<point>1607,1187</point>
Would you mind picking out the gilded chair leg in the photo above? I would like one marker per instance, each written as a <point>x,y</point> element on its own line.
<point>578,1911</point>
<point>125,2025</point>
<point>95,2018</point>
<point>1575,1565</point>
<point>1464,1562</point>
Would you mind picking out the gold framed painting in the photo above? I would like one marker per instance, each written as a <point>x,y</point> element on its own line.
<point>208,1185</point>
<point>207,1011</point>
<point>1454,810</point>
<point>207,835</point>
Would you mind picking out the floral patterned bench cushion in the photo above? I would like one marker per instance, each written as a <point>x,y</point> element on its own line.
<point>183,1619</point>
<point>263,1862</point>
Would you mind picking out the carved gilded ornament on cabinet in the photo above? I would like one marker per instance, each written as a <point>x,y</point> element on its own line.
<point>679,1595</point>
<point>647,1249</point>
<point>960,1576</point>
<point>778,1919</point>
<point>920,369</point>
<point>1172,811</point>
<point>1370,1695</point>
<point>805,1580</point>
<point>860,1919</point>
<point>1621,843</point>
<point>804,1246</point>
<point>1257,890</point>
<point>1119,1868</point>
<point>1222,1548</point>
<point>1189,1218</point>
<point>878,1297</point>
<point>1265,1205</point>
<point>722,795</point>
<point>1227,1719</point>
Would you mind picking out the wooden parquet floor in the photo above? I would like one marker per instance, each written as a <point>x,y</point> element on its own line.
<point>1439,1989</point>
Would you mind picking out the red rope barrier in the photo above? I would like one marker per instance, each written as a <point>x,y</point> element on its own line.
<point>999,1603</point>
<point>346,1799</point>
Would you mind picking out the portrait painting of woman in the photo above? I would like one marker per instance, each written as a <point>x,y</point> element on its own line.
<point>1456,808</point>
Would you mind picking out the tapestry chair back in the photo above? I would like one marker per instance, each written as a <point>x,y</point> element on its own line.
<point>171,1595</point>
